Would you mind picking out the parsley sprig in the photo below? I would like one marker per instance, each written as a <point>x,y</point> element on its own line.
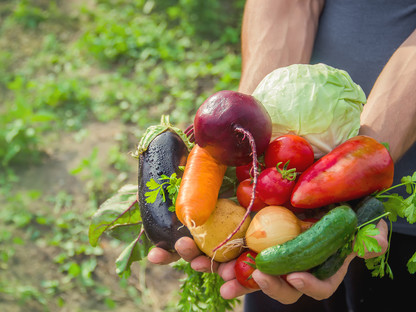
<point>170,184</point>
<point>201,291</point>
<point>395,205</point>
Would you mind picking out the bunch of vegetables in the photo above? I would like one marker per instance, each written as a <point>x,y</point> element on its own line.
<point>296,200</point>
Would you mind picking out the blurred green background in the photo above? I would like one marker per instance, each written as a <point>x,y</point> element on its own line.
<point>79,83</point>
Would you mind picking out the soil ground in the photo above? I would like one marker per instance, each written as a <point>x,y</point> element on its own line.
<point>156,285</point>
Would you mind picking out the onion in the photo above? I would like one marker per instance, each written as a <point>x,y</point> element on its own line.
<point>271,226</point>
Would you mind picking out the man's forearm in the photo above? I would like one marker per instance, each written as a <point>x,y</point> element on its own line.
<point>276,33</point>
<point>390,113</point>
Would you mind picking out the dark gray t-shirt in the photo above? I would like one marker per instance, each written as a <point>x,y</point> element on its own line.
<point>360,36</point>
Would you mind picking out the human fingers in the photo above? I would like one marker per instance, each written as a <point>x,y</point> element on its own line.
<point>276,288</point>
<point>161,256</point>
<point>318,289</point>
<point>204,264</point>
<point>233,289</point>
<point>190,252</point>
<point>187,249</point>
<point>226,270</point>
<point>381,239</point>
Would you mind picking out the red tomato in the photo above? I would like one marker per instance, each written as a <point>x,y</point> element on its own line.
<point>244,267</point>
<point>275,185</point>
<point>244,191</point>
<point>246,171</point>
<point>292,148</point>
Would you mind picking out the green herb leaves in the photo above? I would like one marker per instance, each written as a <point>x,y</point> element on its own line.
<point>364,240</point>
<point>379,266</point>
<point>411,264</point>
<point>395,205</point>
<point>201,291</point>
<point>171,184</point>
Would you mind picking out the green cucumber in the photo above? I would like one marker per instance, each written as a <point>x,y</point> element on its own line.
<point>331,265</point>
<point>367,209</point>
<point>311,247</point>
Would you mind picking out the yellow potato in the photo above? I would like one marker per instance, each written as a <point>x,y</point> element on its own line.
<point>222,222</point>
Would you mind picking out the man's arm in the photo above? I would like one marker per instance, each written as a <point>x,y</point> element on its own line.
<point>390,113</point>
<point>276,33</point>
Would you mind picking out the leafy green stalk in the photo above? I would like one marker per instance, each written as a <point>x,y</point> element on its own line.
<point>119,216</point>
<point>395,205</point>
<point>135,251</point>
<point>379,265</point>
<point>201,291</point>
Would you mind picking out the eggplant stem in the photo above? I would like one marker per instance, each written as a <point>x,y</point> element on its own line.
<point>255,177</point>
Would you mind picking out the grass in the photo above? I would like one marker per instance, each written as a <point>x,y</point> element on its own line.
<point>68,68</point>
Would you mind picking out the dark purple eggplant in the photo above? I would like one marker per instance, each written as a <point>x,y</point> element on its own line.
<point>164,152</point>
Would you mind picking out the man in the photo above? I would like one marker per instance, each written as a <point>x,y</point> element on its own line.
<point>375,42</point>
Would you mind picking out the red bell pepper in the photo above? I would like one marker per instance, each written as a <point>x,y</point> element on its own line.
<point>356,168</point>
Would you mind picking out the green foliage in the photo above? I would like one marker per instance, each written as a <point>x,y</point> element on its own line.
<point>134,60</point>
<point>59,228</point>
<point>171,185</point>
<point>28,14</point>
<point>66,63</point>
<point>164,62</point>
<point>395,205</point>
<point>364,240</point>
<point>201,291</point>
<point>411,264</point>
<point>120,210</point>
<point>90,170</point>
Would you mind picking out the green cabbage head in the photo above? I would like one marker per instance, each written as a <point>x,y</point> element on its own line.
<point>318,102</point>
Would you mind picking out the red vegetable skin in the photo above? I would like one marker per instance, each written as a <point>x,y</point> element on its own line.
<point>292,148</point>
<point>244,267</point>
<point>244,191</point>
<point>234,128</point>
<point>275,185</point>
<point>217,122</point>
<point>246,171</point>
<point>356,168</point>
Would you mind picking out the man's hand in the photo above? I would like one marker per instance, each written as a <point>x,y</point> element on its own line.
<point>285,291</point>
<point>186,249</point>
<point>298,283</point>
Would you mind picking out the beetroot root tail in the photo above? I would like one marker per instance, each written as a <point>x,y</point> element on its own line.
<point>189,132</point>
<point>250,137</point>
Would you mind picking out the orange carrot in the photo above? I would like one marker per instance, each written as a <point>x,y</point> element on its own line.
<point>200,185</point>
